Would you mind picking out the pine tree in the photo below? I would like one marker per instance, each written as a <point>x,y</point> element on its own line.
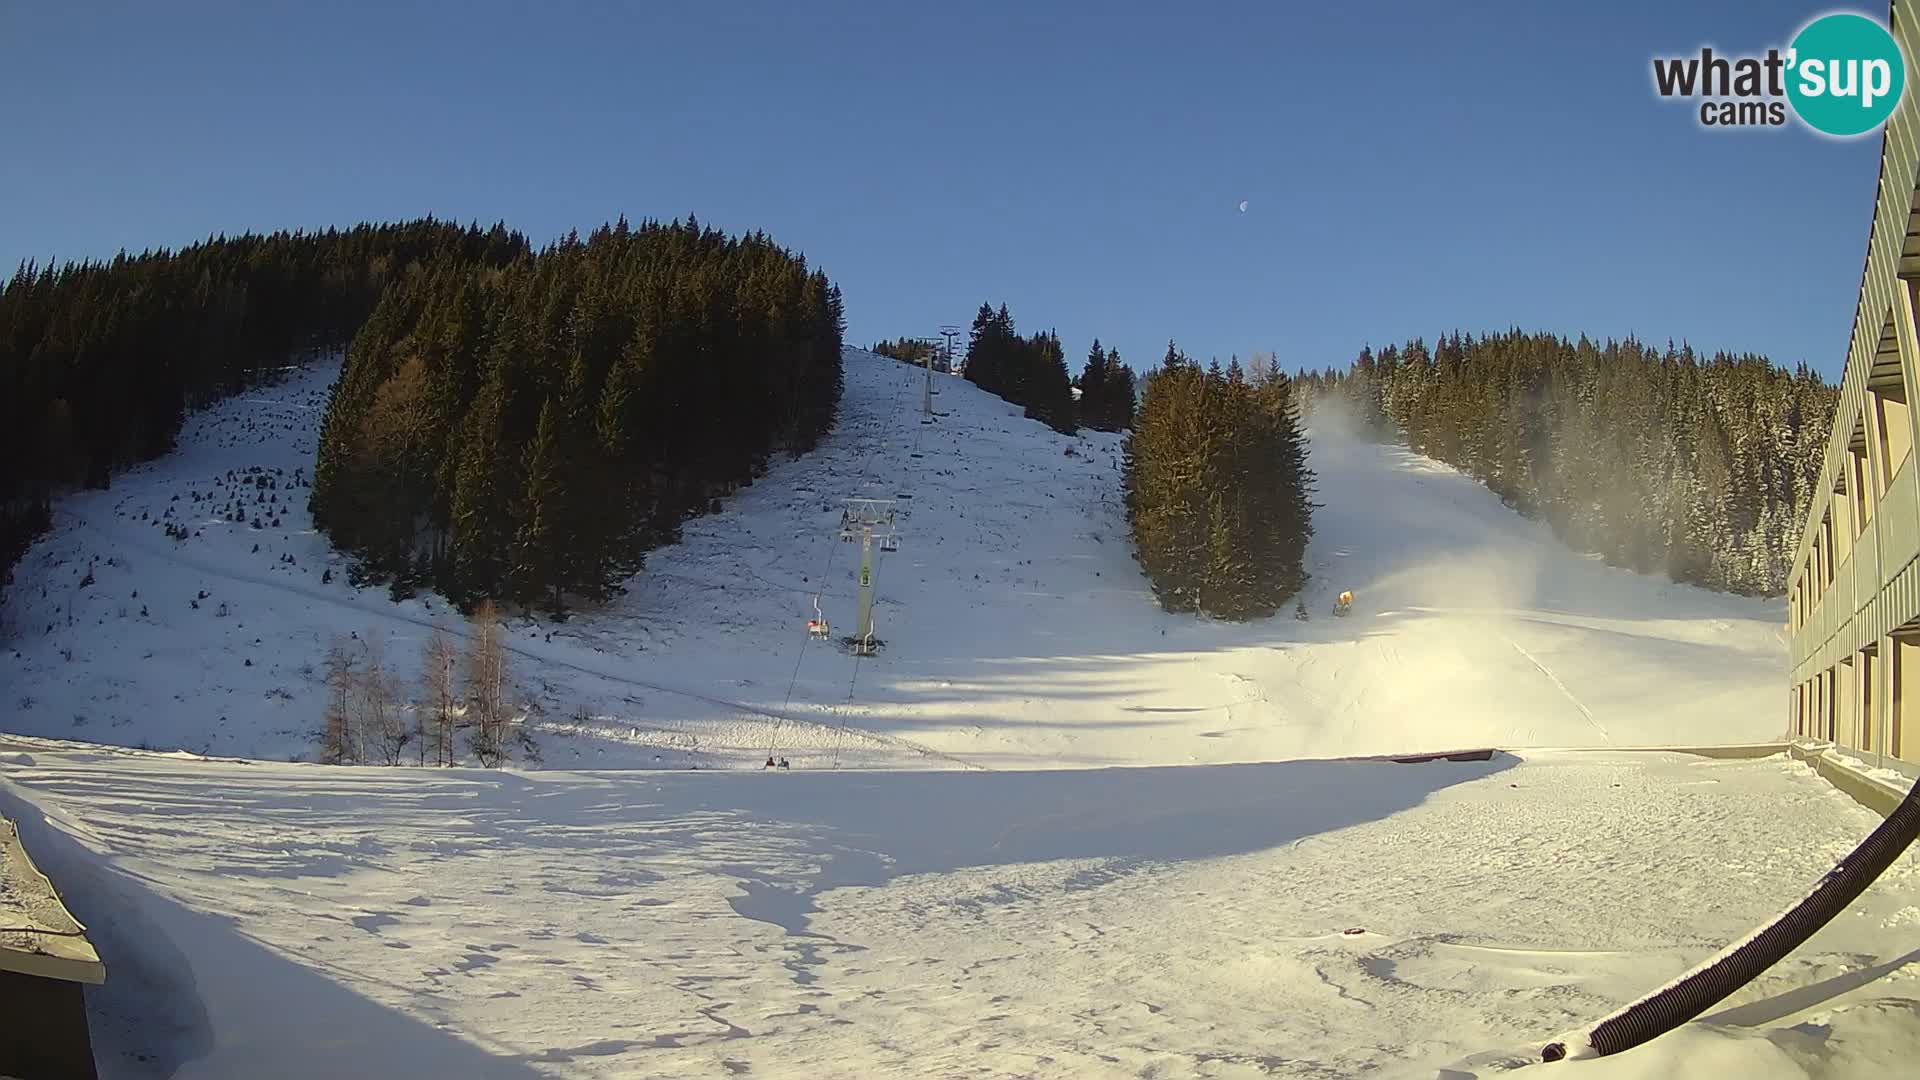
<point>479,530</point>
<point>1095,393</point>
<point>542,556</point>
<point>985,352</point>
<point>1121,400</point>
<point>1218,494</point>
<point>675,360</point>
<point>1049,393</point>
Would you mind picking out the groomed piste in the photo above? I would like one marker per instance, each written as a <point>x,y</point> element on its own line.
<point>1047,831</point>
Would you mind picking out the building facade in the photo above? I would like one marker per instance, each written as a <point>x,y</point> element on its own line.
<point>1853,601</point>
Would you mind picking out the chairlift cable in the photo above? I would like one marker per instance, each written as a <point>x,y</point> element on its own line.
<point>793,680</point>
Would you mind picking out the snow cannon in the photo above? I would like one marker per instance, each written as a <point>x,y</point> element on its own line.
<point>1343,603</point>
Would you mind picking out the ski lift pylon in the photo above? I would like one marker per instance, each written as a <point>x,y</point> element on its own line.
<point>867,515</point>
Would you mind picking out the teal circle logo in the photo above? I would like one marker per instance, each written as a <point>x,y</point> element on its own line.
<point>1845,74</point>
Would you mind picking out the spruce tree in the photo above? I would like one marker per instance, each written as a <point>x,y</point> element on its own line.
<point>1049,393</point>
<point>1218,493</point>
<point>1121,400</point>
<point>1095,396</point>
<point>543,562</point>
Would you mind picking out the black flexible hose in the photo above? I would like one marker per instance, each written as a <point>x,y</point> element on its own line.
<point>1733,967</point>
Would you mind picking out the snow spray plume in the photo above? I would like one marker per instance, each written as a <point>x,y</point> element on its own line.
<point>1433,553</point>
<point>1733,967</point>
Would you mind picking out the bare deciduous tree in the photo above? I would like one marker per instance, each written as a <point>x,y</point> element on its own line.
<point>436,662</point>
<point>338,743</point>
<point>382,727</point>
<point>1262,368</point>
<point>487,685</point>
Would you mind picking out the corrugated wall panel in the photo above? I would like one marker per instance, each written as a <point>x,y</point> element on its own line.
<point>1841,599</point>
<point>1900,154</point>
<point>1866,567</point>
<point>1903,597</point>
<point>1877,589</point>
<point>1899,518</point>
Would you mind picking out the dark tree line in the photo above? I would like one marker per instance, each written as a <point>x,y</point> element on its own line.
<point>1024,371</point>
<point>99,361</point>
<point>915,351</point>
<point>1106,391</point>
<point>1027,371</point>
<point>526,432</point>
<point>1219,496</point>
<point>1660,460</point>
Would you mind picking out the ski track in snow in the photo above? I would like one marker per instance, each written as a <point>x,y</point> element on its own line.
<point>1054,916</point>
<point>1555,679</point>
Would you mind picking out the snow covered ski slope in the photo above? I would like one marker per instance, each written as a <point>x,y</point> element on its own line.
<point>987,898</point>
<point>1018,631</point>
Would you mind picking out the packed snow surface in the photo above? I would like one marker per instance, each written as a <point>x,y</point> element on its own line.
<point>1188,921</point>
<point>1048,831</point>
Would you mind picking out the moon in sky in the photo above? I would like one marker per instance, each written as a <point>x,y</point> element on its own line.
<point>1243,206</point>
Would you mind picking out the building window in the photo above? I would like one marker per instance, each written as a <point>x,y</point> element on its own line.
<point>1860,482</point>
<point>1895,429</point>
<point>1846,701</point>
<point>1829,700</point>
<point>1826,551</point>
<point>1903,708</point>
<point>1869,705</point>
<point>1843,516</point>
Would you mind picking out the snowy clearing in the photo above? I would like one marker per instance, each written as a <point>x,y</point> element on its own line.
<point>1019,632</point>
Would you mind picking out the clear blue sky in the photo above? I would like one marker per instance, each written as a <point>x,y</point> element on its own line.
<point>1409,168</point>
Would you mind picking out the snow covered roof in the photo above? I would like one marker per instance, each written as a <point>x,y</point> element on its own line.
<point>38,936</point>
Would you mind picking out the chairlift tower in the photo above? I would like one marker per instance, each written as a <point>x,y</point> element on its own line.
<point>950,333</point>
<point>927,406</point>
<point>867,520</point>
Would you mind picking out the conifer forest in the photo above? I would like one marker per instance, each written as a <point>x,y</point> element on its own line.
<point>1659,460</point>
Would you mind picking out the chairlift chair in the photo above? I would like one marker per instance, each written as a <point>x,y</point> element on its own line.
<point>817,627</point>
